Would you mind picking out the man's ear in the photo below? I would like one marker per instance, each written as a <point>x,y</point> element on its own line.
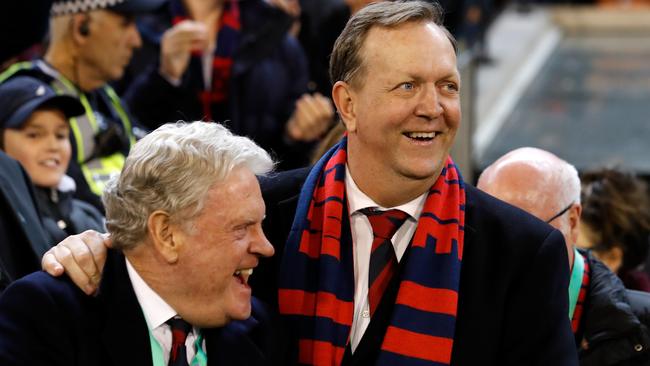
<point>80,28</point>
<point>165,237</point>
<point>574,222</point>
<point>344,99</point>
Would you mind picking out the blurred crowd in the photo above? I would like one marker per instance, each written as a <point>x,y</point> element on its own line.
<point>82,81</point>
<point>258,66</point>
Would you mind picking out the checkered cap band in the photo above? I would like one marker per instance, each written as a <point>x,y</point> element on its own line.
<point>81,6</point>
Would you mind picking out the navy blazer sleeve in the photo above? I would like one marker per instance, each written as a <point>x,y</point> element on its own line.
<point>36,322</point>
<point>513,300</point>
<point>538,331</point>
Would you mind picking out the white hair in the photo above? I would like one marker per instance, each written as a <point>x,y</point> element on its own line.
<point>568,180</point>
<point>172,169</point>
<point>549,179</point>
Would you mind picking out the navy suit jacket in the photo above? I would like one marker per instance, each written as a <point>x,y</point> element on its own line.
<point>513,299</point>
<point>22,238</point>
<point>49,321</point>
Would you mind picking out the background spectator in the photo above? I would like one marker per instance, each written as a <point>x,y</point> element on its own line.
<point>615,223</point>
<point>90,45</point>
<point>36,132</point>
<point>228,61</point>
<point>607,330</point>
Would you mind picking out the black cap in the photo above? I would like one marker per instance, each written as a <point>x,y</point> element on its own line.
<point>22,95</point>
<point>62,7</point>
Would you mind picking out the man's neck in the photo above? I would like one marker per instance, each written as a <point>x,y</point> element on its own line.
<point>386,189</point>
<point>384,185</point>
<point>65,64</point>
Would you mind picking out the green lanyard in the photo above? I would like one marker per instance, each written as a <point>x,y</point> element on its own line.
<point>199,359</point>
<point>576,281</point>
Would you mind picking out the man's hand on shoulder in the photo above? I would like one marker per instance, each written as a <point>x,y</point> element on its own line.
<point>81,256</point>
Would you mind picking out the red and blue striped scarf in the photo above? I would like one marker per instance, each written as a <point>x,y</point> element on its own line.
<point>214,99</point>
<point>317,279</point>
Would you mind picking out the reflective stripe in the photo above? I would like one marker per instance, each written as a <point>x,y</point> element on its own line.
<point>99,171</point>
<point>26,65</point>
<point>120,111</point>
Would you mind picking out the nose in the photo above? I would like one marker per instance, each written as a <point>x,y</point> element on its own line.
<point>261,245</point>
<point>53,143</point>
<point>136,39</point>
<point>429,106</point>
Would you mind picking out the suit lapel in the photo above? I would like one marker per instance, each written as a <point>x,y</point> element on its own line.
<point>125,336</point>
<point>232,345</point>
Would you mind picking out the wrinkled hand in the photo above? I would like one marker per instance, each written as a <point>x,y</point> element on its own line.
<point>81,256</point>
<point>313,117</point>
<point>177,45</point>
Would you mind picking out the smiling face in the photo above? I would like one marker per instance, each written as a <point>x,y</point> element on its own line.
<point>42,146</point>
<point>219,251</point>
<point>404,110</point>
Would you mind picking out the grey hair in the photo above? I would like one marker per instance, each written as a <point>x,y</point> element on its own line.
<point>568,180</point>
<point>346,64</point>
<point>172,169</point>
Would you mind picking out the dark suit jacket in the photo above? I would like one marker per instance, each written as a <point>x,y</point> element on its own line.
<point>49,321</point>
<point>513,300</point>
<point>22,238</point>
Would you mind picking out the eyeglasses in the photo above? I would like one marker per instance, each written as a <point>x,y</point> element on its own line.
<point>564,210</point>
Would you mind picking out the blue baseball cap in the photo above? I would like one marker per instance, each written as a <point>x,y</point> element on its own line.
<point>22,95</point>
<point>62,7</point>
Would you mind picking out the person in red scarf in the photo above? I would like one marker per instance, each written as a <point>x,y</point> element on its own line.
<point>230,62</point>
<point>464,280</point>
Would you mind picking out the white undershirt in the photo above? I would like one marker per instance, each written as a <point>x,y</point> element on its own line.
<point>156,312</point>
<point>362,243</point>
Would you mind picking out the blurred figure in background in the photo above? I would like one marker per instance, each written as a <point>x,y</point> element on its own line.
<point>36,132</point>
<point>228,61</point>
<point>615,223</point>
<point>90,45</point>
<point>606,329</point>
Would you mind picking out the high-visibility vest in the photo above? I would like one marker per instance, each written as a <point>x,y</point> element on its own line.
<point>98,170</point>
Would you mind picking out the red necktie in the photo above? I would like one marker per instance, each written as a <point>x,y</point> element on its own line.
<point>383,261</point>
<point>178,354</point>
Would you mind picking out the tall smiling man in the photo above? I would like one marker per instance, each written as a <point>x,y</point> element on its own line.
<point>390,258</point>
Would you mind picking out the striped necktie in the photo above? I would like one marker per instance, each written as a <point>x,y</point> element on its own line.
<point>383,261</point>
<point>178,354</point>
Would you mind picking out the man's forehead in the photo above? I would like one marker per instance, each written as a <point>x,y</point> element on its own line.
<point>401,30</point>
<point>381,40</point>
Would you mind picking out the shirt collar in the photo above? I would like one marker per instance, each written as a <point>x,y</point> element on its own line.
<point>156,310</point>
<point>358,200</point>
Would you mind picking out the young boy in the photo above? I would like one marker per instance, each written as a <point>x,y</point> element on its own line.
<point>34,130</point>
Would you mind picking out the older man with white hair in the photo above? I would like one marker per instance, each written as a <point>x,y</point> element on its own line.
<point>605,327</point>
<point>185,217</point>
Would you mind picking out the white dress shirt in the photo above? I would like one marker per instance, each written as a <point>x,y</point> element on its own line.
<point>362,238</point>
<point>156,312</point>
